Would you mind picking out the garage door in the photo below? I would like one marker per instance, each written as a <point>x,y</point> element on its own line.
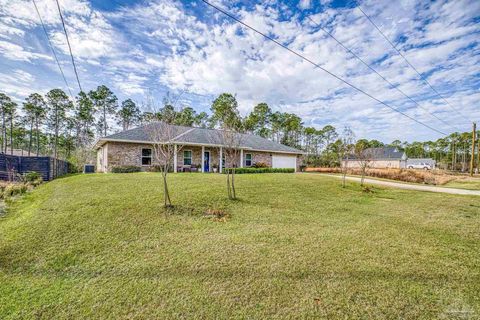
<point>284,161</point>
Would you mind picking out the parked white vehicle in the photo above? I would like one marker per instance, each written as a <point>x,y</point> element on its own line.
<point>421,165</point>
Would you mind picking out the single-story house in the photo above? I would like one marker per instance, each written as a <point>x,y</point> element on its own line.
<point>383,157</point>
<point>195,147</point>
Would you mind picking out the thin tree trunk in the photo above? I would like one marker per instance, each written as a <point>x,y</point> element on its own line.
<point>234,195</point>
<point>363,175</point>
<point>37,133</point>
<point>55,145</point>
<point>104,121</point>
<point>4,134</point>
<point>229,192</point>
<point>30,138</point>
<point>167,201</point>
<point>11,134</point>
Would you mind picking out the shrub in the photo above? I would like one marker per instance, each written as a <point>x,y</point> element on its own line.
<point>260,165</point>
<point>32,176</point>
<point>14,189</point>
<point>126,169</point>
<point>261,170</point>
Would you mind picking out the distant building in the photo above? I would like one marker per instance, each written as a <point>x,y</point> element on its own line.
<point>383,157</point>
<point>20,152</point>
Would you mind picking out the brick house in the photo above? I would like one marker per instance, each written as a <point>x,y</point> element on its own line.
<point>196,148</point>
<point>383,157</point>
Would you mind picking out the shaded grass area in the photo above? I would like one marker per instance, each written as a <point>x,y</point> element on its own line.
<point>294,246</point>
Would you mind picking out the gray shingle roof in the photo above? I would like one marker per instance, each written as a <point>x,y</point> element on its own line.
<point>383,153</point>
<point>386,153</point>
<point>186,135</point>
<point>143,133</point>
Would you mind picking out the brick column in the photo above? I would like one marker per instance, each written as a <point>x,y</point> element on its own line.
<point>220,164</point>
<point>203,158</point>
<point>175,158</point>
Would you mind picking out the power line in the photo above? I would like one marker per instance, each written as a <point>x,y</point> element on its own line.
<point>320,67</point>
<point>52,49</point>
<point>411,66</point>
<point>381,76</point>
<point>69,46</point>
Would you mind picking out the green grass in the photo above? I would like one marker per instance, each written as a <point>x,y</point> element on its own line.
<point>296,246</point>
<point>466,183</point>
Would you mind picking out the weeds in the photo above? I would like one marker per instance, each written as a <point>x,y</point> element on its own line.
<point>217,215</point>
<point>406,175</point>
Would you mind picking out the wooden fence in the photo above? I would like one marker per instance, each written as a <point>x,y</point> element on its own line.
<point>48,167</point>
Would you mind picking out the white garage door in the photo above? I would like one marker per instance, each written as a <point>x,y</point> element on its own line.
<point>284,161</point>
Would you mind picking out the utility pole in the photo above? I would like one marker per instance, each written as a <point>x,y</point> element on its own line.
<point>472,159</point>
<point>478,153</point>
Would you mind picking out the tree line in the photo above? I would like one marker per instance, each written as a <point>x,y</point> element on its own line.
<point>55,124</point>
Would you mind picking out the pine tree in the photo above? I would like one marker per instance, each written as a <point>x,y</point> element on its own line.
<point>128,115</point>
<point>105,103</point>
<point>33,107</point>
<point>58,104</point>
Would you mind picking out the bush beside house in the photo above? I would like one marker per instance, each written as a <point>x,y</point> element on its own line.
<point>261,170</point>
<point>125,169</point>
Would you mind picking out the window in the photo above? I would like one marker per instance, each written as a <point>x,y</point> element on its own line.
<point>187,158</point>
<point>223,160</point>
<point>248,160</point>
<point>146,157</point>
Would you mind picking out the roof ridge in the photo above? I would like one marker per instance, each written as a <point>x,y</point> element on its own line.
<point>184,133</point>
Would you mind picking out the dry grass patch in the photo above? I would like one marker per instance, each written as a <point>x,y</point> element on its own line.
<point>407,175</point>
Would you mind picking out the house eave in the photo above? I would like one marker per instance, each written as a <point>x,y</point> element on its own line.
<point>100,142</point>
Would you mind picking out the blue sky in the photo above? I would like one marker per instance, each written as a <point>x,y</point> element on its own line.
<point>143,49</point>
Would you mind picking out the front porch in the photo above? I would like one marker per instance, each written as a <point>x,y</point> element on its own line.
<point>189,158</point>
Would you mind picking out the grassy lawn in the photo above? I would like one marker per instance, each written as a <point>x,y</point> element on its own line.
<point>465,183</point>
<point>295,246</point>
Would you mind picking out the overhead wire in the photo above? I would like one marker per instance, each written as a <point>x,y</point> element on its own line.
<point>380,75</point>
<point>411,66</point>
<point>52,48</point>
<point>321,68</point>
<point>69,46</point>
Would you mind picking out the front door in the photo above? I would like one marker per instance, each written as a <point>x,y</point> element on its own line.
<point>206,161</point>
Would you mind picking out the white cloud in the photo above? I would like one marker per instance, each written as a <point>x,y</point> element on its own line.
<point>18,83</point>
<point>164,44</point>
<point>16,52</point>
<point>304,4</point>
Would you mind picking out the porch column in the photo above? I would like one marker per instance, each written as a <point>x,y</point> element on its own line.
<point>220,164</point>
<point>203,158</point>
<point>175,158</point>
<point>241,158</point>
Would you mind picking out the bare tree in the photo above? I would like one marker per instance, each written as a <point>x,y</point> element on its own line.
<point>162,136</point>
<point>232,140</point>
<point>364,156</point>
<point>347,147</point>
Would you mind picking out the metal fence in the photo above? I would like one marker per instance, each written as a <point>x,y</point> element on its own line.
<point>50,168</point>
